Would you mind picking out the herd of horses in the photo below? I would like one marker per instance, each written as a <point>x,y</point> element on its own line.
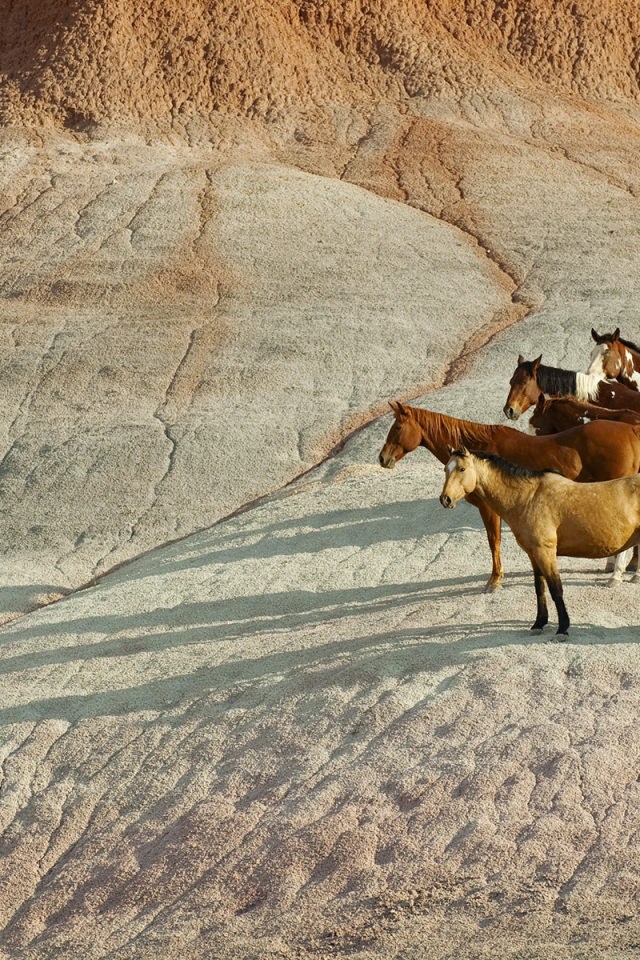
<point>569,487</point>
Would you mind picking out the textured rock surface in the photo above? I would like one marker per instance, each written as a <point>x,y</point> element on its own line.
<point>294,726</point>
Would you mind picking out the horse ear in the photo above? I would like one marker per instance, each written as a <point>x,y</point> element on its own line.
<point>616,334</point>
<point>463,451</point>
<point>520,359</point>
<point>450,450</point>
<point>397,408</point>
<point>540,402</point>
<point>536,363</point>
<point>595,335</point>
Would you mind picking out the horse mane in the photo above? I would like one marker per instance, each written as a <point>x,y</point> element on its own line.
<point>506,466</point>
<point>555,380</point>
<point>630,344</point>
<point>451,430</point>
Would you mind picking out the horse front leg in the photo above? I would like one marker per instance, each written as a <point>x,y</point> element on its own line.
<point>547,563</point>
<point>493,526</point>
<point>543,614</point>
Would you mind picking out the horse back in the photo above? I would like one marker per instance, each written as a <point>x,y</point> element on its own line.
<point>617,396</point>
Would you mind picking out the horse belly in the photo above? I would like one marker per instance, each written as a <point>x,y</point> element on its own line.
<point>600,531</point>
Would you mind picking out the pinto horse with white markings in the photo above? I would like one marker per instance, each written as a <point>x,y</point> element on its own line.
<point>532,378</point>
<point>615,359</point>
<point>595,451</point>
<point>550,516</point>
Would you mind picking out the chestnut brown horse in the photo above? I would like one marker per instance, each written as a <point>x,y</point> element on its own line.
<point>549,515</point>
<point>562,413</point>
<point>532,378</point>
<point>615,359</point>
<point>594,451</point>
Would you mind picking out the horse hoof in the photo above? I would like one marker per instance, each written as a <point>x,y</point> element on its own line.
<point>561,637</point>
<point>636,578</point>
<point>614,582</point>
<point>492,586</point>
<point>536,630</point>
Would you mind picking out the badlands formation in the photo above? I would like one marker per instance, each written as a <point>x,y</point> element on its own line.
<point>255,703</point>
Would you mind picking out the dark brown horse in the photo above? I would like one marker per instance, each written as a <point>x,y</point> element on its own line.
<point>562,413</point>
<point>615,359</point>
<point>595,451</point>
<point>532,378</point>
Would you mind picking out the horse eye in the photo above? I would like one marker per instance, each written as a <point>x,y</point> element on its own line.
<point>462,469</point>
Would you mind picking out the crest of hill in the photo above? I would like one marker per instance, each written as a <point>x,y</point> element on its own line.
<point>72,62</point>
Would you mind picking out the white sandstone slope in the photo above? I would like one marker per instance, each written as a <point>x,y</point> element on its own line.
<point>303,730</point>
<point>181,337</point>
<point>308,732</point>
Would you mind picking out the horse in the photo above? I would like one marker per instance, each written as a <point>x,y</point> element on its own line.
<point>550,516</point>
<point>562,413</point>
<point>532,378</point>
<point>594,451</point>
<point>615,359</point>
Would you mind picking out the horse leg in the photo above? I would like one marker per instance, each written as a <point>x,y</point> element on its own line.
<point>492,525</point>
<point>632,566</point>
<point>543,614</point>
<point>621,559</point>
<point>547,564</point>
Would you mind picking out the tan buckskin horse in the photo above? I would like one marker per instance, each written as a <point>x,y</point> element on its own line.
<point>532,378</point>
<point>615,359</point>
<point>550,516</point>
<point>594,451</point>
<point>563,413</point>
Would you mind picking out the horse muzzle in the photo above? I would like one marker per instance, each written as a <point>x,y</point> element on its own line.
<point>512,413</point>
<point>387,462</point>
<point>446,501</point>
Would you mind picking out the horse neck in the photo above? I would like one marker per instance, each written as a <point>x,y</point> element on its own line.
<point>556,382</point>
<point>633,351</point>
<point>439,430</point>
<point>504,494</point>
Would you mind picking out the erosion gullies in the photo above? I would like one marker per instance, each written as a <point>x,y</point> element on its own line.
<point>217,351</point>
<point>231,233</point>
<point>78,65</point>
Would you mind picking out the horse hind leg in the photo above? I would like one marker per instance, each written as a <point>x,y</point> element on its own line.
<point>620,565</point>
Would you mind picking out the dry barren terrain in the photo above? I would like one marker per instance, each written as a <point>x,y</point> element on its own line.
<point>254,700</point>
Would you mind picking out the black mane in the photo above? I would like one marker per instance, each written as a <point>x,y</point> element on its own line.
<point>513,469</point>
<point>555,381</point>
<point>630,344</point>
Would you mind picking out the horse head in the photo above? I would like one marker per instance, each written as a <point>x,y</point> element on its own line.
<point>524,390</point>
<point>403,437</point>
<point>609,358</point>
<point>460,477</point>
<point>539,419</point>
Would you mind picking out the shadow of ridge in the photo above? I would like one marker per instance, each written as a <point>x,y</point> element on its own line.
<point>353,527</point>
<point>28,596</point>
<point>342,662</point>
<point>219,620</point>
